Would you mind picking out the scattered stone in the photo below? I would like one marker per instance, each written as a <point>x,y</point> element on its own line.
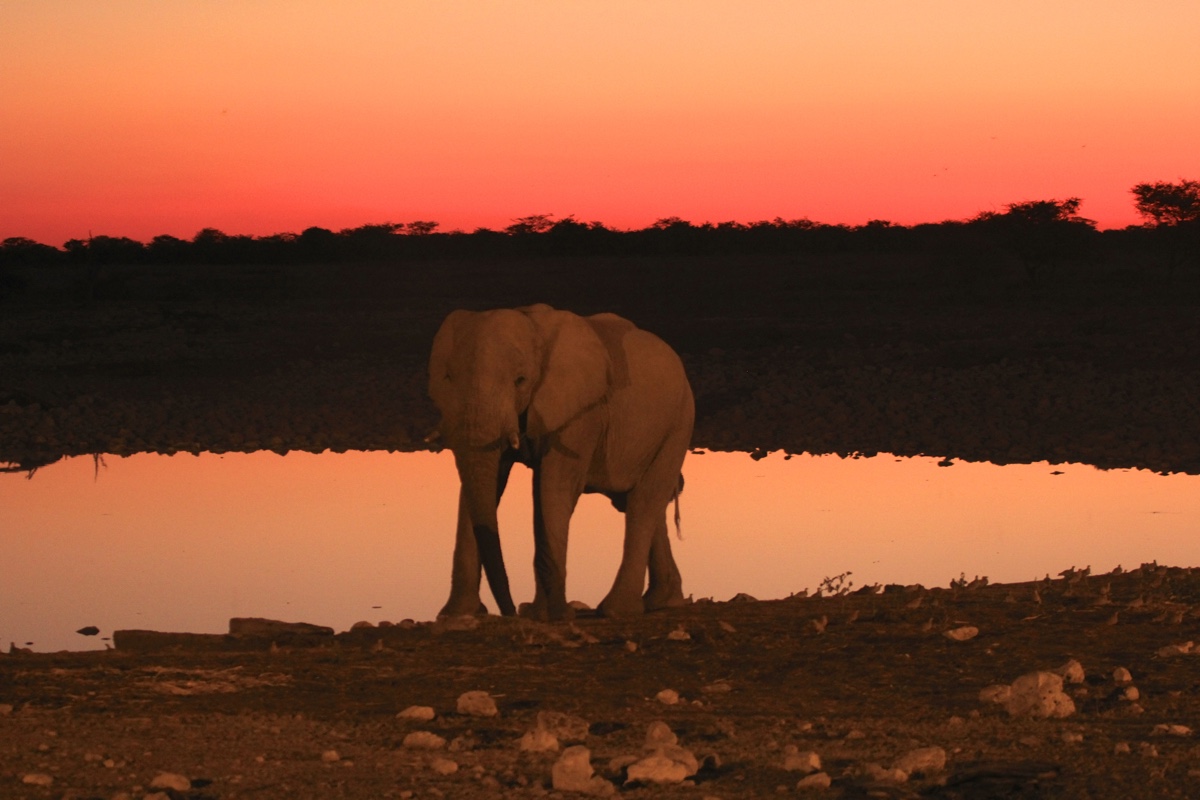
<point>477,704</point>
<point>996,693</point>
<point>725,626</point>
<point>171,780</point>
<point>962,634</point>
<point>679,635</point>
<point>742,597</point>
<point>1182,649</point>
<point>631,647</point>
<point>566,727</point>
<point>272,628</point>
<point>37,779</point>
<point>667,764</point>
<point>1039,694</point>
<point>330,756</point>
<point>538,740</point>
<point>718,687</point>
<point>1166,729</point>
<point>922,761</point>
<point>5,709</point>
<point>668,697</point>
<point>464,622</point>
<point>421,713</point>
<point>443,766</point>
<point>796,760</point>
<point>362,625</point>
<point>579,605</point>
<point>1071,672</point>
<point>1122,676</point>
<point>659,734</point>
<point>424,740</point>
<point>573,773</point>
<point>884,775</point>
<point>1072,737</point>
<point>818,780</point>
<point>1121,748</point>
<point>1131,694</point>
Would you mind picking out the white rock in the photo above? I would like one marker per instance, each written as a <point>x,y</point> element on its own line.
<point>718,687</point>
<point>1171,730</point>
<point>659,734</point>
<point>1131,694</point>
<point>800,760</point>
<point>5,709</point>
<point>424,740</point>
<point>818,780</point>
<point>996,693</point>
<point>679,635</point>
<point>171,780</point>
<point>1121,748</point>
<point>668,697</point>
<point>37,779</point>
<point>883,775</point>
<point>1181,649</point>
<point>443,766</point>
<point>1122,676</point>
<point>667,764</point>
<point>573,773</point>
<point>538,740</point>
<point>565,727</point>
<point>477,704</point>
<point>330,756</point>
<point>1072,737</point>
<point>1039,694</point>
<point>1071,672</point>
<point>965,633</point>
<point>922,761</point>
<point>421,713</point>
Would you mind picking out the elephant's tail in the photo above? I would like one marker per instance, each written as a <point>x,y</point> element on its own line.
<point>675,497</point>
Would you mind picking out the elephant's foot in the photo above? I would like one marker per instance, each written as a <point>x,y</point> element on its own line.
<point>463,607</point>
<point>617,607</point>
<point>542,611</point>
<point>659,597</point>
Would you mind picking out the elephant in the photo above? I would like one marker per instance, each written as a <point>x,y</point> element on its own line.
<point>591,404</point>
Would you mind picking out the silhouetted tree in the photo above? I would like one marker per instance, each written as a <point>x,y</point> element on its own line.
<point>1174,211</point>
<point>1039,232</point>
<point>534,223</point>
<point>1164,203</point>
<point>420,228</point>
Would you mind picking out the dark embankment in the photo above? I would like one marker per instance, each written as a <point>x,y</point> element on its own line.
<point>950,354</point>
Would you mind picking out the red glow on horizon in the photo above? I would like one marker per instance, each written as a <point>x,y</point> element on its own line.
<point>274,117</point>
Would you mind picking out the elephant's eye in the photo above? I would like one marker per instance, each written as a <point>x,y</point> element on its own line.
<point>520,380</point>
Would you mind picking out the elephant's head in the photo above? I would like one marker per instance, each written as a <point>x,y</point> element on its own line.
<point>501,378</point>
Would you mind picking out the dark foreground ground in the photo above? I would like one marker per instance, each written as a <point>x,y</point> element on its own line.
<point>860,680</point>
<point>1097,363</point>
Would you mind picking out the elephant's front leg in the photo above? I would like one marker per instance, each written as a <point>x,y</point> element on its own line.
<point>465,576</point>
<point>554,499</point>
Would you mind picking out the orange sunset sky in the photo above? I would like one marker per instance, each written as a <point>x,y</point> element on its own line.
<point>129,118</point>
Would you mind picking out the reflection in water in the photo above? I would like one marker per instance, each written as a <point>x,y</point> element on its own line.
<point>184,543</point>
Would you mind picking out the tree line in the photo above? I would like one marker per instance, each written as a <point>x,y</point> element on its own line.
<point>1034,232</point>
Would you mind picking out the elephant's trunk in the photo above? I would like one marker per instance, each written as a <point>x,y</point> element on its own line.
<point>479,470</point>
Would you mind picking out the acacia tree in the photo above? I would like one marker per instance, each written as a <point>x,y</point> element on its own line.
<point>1039,232</point>
<point>1173,210</point>
<point>1163,203</point>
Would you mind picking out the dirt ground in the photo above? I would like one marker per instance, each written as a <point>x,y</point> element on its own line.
<point>821,357</point>
<point>860,679</point>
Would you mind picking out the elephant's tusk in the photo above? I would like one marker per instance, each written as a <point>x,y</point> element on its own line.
<point>514,441</point>
<point>434,436</point>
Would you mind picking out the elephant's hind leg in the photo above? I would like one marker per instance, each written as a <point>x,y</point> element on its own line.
<point>666,586</point>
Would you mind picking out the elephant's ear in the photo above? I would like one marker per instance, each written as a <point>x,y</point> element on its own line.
<point>439,355</point>
<point>575,369</point>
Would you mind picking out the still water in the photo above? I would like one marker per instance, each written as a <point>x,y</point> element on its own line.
<point>183,543</point>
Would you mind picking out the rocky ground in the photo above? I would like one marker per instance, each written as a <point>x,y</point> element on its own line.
<point>864,694</point>
<point>887,692</point>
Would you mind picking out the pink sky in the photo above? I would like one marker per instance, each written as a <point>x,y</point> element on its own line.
<point>139,118</point>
